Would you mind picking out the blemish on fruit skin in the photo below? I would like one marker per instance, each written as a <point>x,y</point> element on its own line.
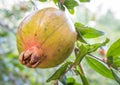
<point>45,29</point>
<point>59,50</point>
<point>35,34</point>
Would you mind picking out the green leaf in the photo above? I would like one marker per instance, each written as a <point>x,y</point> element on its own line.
<point>77,83</point>
<point>70,4</point>
<point>60,5</point>
<point>71,11</point>
<point>116,62</point>
<point>43,0</point>
<point>88,32</point>
<point>70,81</point>
<point>116,75</point>
<point>113,54</point>
<point>99,67</point>
<point>113,61</point>
<point>114,49</point>
<point>95,46</point>
<point>84,0</point>
<point>10,55</point>
<point>82,52</point>
<point>83,78</point>
<point>7,13</point>
<point>3,34</point>
<point>59,72</point>
<point>55,1</point>
<point>80,37</point>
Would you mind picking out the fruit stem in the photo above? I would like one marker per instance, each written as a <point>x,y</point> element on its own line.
<point>35,5</point>
<point>61,1</point>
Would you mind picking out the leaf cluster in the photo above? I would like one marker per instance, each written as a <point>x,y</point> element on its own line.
<point>108,67</point>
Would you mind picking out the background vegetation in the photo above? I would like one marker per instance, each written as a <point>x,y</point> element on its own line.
<point>13,73</point>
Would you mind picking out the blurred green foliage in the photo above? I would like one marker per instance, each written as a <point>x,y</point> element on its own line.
<point>13,73</point>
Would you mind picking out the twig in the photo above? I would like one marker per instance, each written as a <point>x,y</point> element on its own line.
<point>56,82</point>
<point>70,67</point>
<point>97,58</point>
<point>67,70</point>
<point>80,66</point>
<point>35,5</point>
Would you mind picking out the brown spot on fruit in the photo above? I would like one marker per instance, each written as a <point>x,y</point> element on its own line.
<point>58,50</point>
<point>35,34</point>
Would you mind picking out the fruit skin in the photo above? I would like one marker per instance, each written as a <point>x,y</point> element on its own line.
<point>45,38</point>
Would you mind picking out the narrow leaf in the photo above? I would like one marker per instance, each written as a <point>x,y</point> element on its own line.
<point>84,0</point>
<point>114,49</point>
<point>116,75</point>
<point>70,4</point>
<point>116,62</point>
<point>59,72</point>
<point>55,1</point>
<point>82,52</point>
<point>43,0</point>
<point>70,81</point>
<point>71,11</point>
<point>113,54</point>
<point>77,83</point>
<point>94,47</point>
<point>88,32</point>
<point>99,67</point>
<point>3,34</point>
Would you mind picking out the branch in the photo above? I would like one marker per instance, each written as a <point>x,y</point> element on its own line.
<point>97,58</point>
<point>81,68</point>
<point>56,82</point>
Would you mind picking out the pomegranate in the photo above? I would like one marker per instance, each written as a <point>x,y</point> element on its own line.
<point>45,38</point>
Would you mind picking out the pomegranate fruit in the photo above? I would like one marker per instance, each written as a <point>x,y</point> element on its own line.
<point>45,38</point>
